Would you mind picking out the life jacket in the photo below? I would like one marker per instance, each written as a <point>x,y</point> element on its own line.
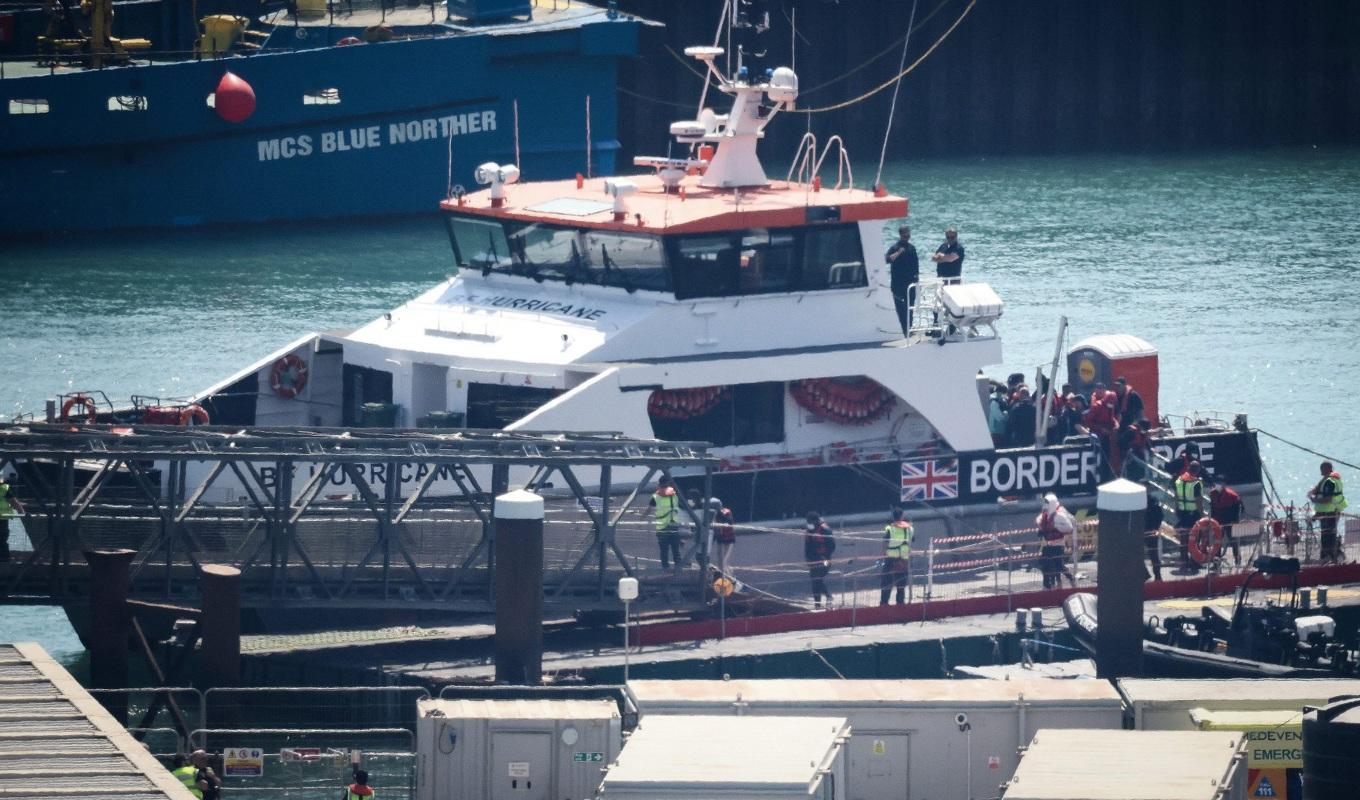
<point>723,532</point>
<point>667,509</point>
<point>1099,418</point>
<point>818,545</point>
<point>186,775</point>
<point>898,534</point>
<point>1333,504</point>
<point>357,792</point>
<point>1186,485</point>
<point>1051,525</point>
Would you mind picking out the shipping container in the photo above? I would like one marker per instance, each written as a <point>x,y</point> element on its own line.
<point>725,758</point>
<point>907,741</point>
<point>1128,765</point>
<point>1268,711</point>
<point>1164,705</point>
<point>515,749</point>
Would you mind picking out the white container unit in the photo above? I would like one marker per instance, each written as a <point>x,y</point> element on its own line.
<point>1165,704</point>
<point>515,749</point>
<point>731,758</point>
<point>907,741</point>
<point>1130,765</point>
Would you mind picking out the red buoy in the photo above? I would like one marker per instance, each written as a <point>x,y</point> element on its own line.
<point>234,99</point>
<point>349,40</point>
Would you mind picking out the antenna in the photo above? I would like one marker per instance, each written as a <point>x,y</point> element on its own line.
<point>516,108</point>
<point>589,173</point>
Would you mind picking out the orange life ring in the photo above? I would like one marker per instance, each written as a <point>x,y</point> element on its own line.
<point>193,415</point>
<point>288,377</point>
<point>85,402</point>
<point>1206,540</point>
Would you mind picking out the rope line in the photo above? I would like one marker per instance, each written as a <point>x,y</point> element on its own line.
<point>885,51</point>
<point>897,89</point>
<point>889,82</point>
<point>1307,449</point>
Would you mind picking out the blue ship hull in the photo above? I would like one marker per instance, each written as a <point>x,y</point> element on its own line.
<point>384,148</point>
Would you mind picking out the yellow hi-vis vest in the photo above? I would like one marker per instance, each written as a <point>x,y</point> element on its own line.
<point>899,536</point>
<point>1185,494</point>
<point>667,509</point>
<point>1323,505</point>
<point>6,510</point>
<point>186,775</point>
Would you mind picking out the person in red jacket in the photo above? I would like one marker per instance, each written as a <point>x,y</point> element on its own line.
<point>818,547</point>
<point>1225,506</point>
<point>1100,419</point>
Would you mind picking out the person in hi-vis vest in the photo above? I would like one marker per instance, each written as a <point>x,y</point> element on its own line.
<point>897,538</point>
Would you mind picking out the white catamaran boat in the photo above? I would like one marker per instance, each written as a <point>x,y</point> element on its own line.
<point>703,301</point>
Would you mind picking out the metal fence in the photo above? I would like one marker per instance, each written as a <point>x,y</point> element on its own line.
<point>311,738</point>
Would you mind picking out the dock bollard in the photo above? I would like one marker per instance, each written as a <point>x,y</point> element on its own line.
<point>519,588</point>
<point>110,626</point>
<point>1119,579</point>
<point>220,662</point>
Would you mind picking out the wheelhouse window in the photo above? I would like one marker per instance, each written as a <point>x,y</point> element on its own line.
<point>729,264</point>
<point>767,261</point>
<point>558,253</point>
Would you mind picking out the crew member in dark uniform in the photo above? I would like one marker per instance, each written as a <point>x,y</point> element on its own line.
<point>818,547</point>
<point>948,257</point>
<point>1152,531</point>
<point>905,270</point>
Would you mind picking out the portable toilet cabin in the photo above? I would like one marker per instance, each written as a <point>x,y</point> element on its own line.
<point>910,739</point>
<point>528,749</point>
<point>1103,358</point>
<point>1147,765</point>
<point>725,758</point>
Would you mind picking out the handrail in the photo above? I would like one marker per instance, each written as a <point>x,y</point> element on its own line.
<point>842,161</point>
<point>202,740</point>
<point>807,148</point>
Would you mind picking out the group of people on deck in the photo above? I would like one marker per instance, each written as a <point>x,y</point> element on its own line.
<point>1189,499</point>
<point>1113,419</point>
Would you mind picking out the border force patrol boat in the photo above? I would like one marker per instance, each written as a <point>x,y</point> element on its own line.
<point>704,301</point>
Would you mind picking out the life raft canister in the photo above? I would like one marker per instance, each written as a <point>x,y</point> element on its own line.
<point>1206,540</point>
<point>83,401</point>
<point>288,377</point>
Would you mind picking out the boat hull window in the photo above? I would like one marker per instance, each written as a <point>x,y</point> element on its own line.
<point>363,385</point>
<point>491,405</point>
<point>724,416</point>
<point>767,261</point>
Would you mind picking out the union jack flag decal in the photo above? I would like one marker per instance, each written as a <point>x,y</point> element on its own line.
<point>930,479</point>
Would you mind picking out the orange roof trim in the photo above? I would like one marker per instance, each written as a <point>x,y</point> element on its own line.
<point>694,209</point>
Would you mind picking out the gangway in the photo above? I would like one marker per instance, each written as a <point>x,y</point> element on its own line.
<point>339,518</point>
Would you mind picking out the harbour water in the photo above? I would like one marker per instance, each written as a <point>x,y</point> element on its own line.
<point>1237,266</point>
